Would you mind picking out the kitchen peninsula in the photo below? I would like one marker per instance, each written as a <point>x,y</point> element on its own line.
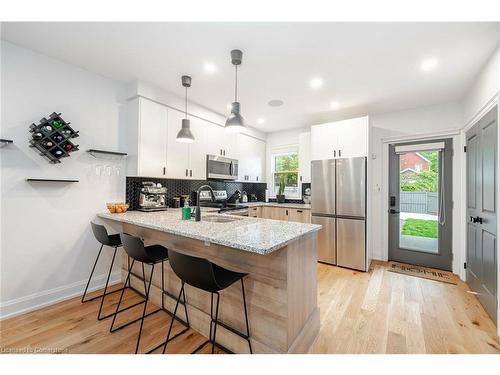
<point>279,257</point>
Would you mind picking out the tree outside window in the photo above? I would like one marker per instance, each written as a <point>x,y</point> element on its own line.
<point>286,168</point>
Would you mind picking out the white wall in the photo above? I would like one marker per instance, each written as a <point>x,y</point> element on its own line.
<point>47,248</point>
<point>483,89</point>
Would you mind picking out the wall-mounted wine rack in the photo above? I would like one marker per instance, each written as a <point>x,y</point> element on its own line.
<point>52,137</point>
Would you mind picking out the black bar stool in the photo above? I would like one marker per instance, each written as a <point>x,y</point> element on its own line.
<point>202,274</point>
<point>150,255</point>
<point>113,240</point>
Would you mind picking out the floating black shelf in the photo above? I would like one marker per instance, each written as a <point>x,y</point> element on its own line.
<point>94,151</point>
<point>6,141</point>
<point>50,180</point>
<point>52,137</point>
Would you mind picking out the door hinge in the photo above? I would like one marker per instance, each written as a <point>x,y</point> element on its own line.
<point>465,148</point>
<point>465,265</point>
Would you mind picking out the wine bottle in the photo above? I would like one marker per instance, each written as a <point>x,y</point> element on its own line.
<point>37,136</point>
<point>47,144</point>
<point>68,146</point>
<point>56,124</point>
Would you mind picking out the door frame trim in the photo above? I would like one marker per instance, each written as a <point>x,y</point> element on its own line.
<point>458,245</point>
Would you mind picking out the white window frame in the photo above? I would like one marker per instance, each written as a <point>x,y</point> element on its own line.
<point>278,151</point>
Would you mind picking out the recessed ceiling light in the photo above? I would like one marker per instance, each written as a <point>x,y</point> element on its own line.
<point>334,105</point>
<point>275,103</point>
<point>260,120</point>
<point>209,68</point>
<point>429,64</point>
<point>316,83</point>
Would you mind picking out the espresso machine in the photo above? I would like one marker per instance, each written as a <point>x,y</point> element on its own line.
<point>152,197</point>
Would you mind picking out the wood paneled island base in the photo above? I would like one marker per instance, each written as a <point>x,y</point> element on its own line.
<point>281,291</point>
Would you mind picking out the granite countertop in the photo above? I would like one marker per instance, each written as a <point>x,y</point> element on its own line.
<point>256,235</point>
<point>302,206</point>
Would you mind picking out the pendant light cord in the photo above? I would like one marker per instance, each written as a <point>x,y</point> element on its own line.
<point>186,104</point>
<point>236,85</point>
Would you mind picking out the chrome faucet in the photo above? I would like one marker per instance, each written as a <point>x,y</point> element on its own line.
<point>198,211</point>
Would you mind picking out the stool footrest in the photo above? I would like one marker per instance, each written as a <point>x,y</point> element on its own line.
<point>170,339</point>
<point>114,313</point>
<point>216,344</point>
<point>233,330</point>
<point>101,295</point>
<point>135,320</point>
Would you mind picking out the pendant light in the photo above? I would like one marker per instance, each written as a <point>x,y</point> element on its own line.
<point>185,135</point>
<point>235,122</point>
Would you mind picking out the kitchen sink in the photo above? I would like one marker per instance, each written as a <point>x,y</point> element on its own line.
<point>219,219</point>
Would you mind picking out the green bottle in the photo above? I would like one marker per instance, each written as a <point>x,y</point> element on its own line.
<point>186,211</point>
<point>56,124</point>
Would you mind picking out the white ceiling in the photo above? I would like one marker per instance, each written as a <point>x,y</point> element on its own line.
<point>366,67</point>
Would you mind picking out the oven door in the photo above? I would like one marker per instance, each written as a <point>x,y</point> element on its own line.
<point>221,168</point>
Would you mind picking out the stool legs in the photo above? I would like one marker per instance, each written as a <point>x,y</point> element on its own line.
<point>99,317</point>
<point>145,307</point>
<point>90,277</point>
<point>181,293</point>
<point>214,322</point>
<point>246,315</point>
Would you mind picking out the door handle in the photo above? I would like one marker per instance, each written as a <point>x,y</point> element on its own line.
<point>393,211</point>
<point>476,219</point>
<point>190,173</point>
<point>334,153</point>
<point>340,153</point>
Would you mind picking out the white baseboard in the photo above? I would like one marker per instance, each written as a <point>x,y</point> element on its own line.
<point>45,298</point>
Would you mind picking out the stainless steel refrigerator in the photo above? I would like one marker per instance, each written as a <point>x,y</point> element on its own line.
<point>338,203</point>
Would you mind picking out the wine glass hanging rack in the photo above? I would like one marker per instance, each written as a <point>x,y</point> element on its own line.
<point>52,137</point>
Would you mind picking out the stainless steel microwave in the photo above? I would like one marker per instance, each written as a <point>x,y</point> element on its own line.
<point>221,168</point>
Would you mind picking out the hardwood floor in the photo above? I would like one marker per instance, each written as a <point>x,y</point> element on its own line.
<point>375,312</point>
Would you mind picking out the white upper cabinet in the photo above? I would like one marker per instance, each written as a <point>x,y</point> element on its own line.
<point>186,160</point>
<point>305,157</point>
<point>341,139</point>
<point>198,150</point>
<point>147,138</point>
<point>251,158</point>
<point>220,142</point>
<point>154,151</point>
<point>177,152</point>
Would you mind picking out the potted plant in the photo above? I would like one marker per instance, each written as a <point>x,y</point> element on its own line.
<point>280,197</point>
